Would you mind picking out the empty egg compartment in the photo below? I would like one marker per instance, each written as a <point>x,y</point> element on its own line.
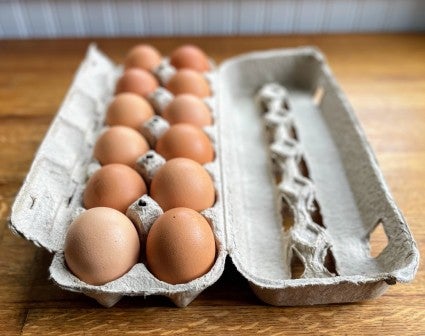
<point>301,187</point>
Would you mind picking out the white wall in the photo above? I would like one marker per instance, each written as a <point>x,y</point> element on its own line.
<point>57,18</point>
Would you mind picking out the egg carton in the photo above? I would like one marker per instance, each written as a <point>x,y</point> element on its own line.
<point>277,114</point>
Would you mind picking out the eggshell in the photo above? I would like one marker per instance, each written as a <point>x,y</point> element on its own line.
<point>138,81</point>
<point>128,109</point>
<point>185,140</point>
<point>182,182</point>
<point>120,144</point>
<point>115,186</point>
<point>187,108</point>
<point>191,57</point>
<point>101,245</point>
<point>189,81</point>
<point>143,56</point>
<point>180,246</point>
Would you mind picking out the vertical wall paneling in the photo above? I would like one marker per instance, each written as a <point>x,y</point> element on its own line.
<point>402,17</point>
<point>51,24</point>
<point>341,16</point>
<point>311,16</point>
<point>372,16</point>
<point>187,17</point>
<point>251,17</point>
<point>21,20</point>
<point>77,13</point>
<point>141,17</point>
<point>160,15</point>
<point>39,18</point>
<point>97,18</point>
<point>63,14</point>
<point>281,18</point>
<point>109,18</point>
<point>218,17</point>
<point>417,20</point>
<point>56,18</point>
<point>126,18</point>
<point>7,22</point>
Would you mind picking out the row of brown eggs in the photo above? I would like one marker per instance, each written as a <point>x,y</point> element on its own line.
<point>102,243</point>
<point>189,61</point>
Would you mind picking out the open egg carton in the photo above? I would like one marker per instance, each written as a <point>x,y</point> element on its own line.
<point>295,179</point>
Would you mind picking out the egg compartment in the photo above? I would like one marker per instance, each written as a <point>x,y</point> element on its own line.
<point>165,71</point>
<point>246,217</point>
<point>143,213</point>
<point>139,281</point>
<point>51,196</point>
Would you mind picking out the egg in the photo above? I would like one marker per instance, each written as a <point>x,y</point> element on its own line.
<point>191,57</point>
<point>101,245</point>
<point>188,81</point>
<point>138,81</point>
<point>185,140</point>
<point>120,144</point>
<point>187,108</point>
<point>182,182</point>
<point>115,186</point>
<point>180,246</point>
<point>143,56</point>
<point>128,109</point>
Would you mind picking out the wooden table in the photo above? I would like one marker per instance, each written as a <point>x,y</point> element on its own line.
<point>384,78</point>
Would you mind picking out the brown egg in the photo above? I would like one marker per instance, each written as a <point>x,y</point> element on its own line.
<point>190,57</point>
<point>142,56</point>
<point>183,183</point>
<point>187,108</point>
<point>115,186</point>
<point>185,140</point>
<point>128,109</point>
<point>189,81</point>
<point>138,81</point>
<point>101,245</point>
<point>120,144</point>
<point>180,246</point>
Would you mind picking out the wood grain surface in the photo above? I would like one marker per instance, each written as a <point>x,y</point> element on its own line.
<point>383,77</point>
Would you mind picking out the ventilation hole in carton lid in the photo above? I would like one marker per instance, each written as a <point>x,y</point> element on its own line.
<point>285,104</point>
<point>263,106</point>
<point>297,266</point>
<point>69,200</point>
<point>33,199</point>
<point>293,133</point>
<point>277,177</point>
<point>378,239</point>
<point>269,133</point>
<point>318,95</point>
<point>276,169</point>
<point>316,214</point>
<point>302,166</point>
<point>287,214</point>
<point>329,262</point>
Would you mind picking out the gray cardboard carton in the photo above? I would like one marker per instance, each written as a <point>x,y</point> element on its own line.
<point>260,99</point>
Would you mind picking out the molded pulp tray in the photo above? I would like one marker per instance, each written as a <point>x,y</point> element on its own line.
<point>343,183</point>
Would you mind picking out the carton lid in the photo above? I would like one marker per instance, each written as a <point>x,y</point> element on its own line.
<point>343,178</point>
